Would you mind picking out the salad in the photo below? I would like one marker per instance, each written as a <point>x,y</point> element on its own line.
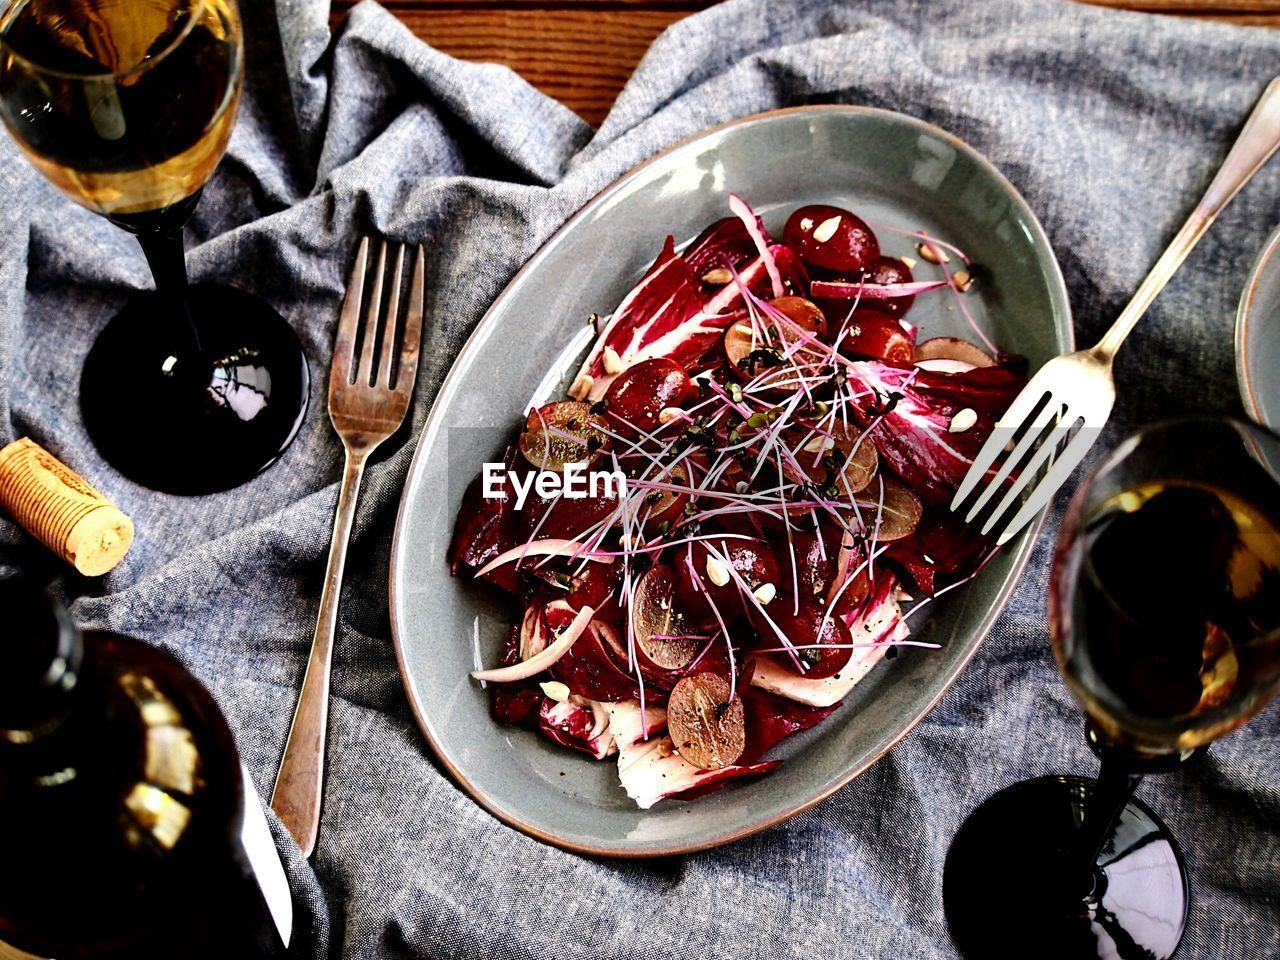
<point>783,448</point>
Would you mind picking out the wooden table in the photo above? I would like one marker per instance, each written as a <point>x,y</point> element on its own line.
<point>583,51</point>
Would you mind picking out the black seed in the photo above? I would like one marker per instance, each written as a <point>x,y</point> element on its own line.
<point>761,359</point>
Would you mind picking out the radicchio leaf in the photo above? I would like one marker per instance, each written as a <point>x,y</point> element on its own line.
<point>589,668</point>
<point>650,769</point>
<point>483,529</point>
<point>914,409</point>
<point>771,719</point>
<point>941,551</point>
<point>672,313</point>
<point>578,723</point>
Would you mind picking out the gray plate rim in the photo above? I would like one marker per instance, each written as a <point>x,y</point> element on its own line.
<point>1244,315</point>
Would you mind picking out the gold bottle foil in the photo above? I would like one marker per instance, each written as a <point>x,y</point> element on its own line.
<point>60,509</point>
<point>13,953</point>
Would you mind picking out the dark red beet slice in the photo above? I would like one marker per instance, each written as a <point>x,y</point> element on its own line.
<point>824,640</point>
<point>696,590</point>
<point>512,705</point>
<point>569,516</point>
<point>641,392</point>
<point>943,550</point>
<point>588,669</point>
<point>771,719</point>
<point>875,334</point>
<point>890,270</point>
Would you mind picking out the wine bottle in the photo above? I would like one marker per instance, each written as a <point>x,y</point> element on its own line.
<point>123,803</point>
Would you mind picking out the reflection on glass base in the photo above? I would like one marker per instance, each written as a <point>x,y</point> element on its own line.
<point>184,420</point>
<point>1009,886</point>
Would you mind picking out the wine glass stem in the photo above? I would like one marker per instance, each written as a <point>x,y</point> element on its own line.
<point>168,261</point>
<point>1115,786</point>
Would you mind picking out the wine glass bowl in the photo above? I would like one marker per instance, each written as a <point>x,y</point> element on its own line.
<point>1164,602</point>
<point>127,119</point>
<point>127,106</point>
<point>1164,614</point>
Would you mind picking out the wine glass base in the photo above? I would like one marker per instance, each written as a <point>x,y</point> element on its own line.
<point>1010,888</point>
<point>191,420</point>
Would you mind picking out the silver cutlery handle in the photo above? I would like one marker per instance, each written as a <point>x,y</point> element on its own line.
<point>1255,145</point>
<point>300,782</point>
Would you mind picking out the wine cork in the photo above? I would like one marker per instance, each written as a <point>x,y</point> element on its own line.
<point>60,509</point>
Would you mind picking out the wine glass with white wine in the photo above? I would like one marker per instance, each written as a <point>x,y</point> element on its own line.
<point>1164,611</point>
<point>127,106</point>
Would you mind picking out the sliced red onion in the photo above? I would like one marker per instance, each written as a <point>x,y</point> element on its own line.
<point>533,633</point>
<point>834,290</point>
<point>541,661</point>
<point>945,365</point>
<point>550,547</point>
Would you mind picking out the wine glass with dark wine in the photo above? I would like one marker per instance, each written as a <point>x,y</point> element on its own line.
<point>127,106</point>
<point>1164,610</point>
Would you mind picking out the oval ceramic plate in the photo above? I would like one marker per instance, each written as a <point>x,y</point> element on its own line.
<point>891,169</point>
<point>1258,338</point>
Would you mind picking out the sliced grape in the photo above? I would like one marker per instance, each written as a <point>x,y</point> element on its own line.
<point>854,468</point>
<point>664,506</point>
<point>748,355</point>
<point>751,349</point>
<point>706,726</point>
<point>900,514</point>
<point>815,560</point>
<point>662,631</point>
<point>805,314</point>
<point>561,433</point>
<point>953,348</point>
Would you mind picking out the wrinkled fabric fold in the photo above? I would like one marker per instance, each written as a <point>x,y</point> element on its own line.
<point>1111,125</point>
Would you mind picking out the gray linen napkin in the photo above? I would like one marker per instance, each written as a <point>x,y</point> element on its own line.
<point>1109,123</point>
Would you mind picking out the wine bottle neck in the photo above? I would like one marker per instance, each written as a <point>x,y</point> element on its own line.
<point>39,667</point>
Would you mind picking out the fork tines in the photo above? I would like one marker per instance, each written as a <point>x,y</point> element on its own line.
<point>1043,435</point>
<point>377,344</point>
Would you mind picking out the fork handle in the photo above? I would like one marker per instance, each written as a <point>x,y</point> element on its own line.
<point>1255,145</point>
<point>299,784</point>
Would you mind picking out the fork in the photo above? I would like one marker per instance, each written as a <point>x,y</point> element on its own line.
<point>370,387</point>
<point>1077,390</point>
